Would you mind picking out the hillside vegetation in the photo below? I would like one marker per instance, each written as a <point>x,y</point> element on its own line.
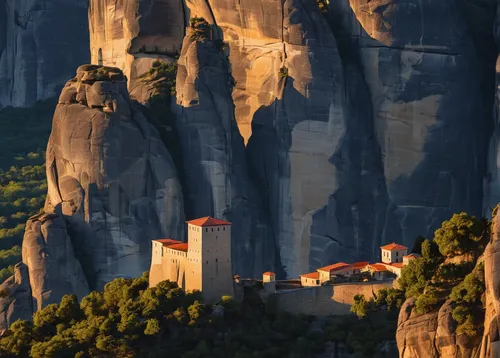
<point>129,319</point>
<point>23,185</point>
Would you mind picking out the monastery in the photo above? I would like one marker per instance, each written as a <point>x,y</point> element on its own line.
<point>394,258</point>
<point>203,263</point>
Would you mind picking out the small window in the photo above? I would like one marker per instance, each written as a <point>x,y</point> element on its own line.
<point>224,228</point>
<point>397,254</point>
<point>317,282</point>
<point>216,260</point>
<point>206,262</point>
<point>206,230</point>
<point>212,229</point>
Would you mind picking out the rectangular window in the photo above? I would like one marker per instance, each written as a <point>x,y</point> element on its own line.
<point>397,254</point>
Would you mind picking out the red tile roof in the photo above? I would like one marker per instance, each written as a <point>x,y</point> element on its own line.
<point>179,247</point>
<point>314,275</point>
<point>268,273</point>
<point>394,247</point>
<point>334,267</point>
<point>360,264</point>
<point>378,267</point>
<point>168,242</point>
<point>208,221</point>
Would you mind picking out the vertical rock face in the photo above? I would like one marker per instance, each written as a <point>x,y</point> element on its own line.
<point>289,110</point>
<point>214,161</point>
<point>111,175</point>
<point>429,115</point>
<point>131,35</point>
<point>41,43</point>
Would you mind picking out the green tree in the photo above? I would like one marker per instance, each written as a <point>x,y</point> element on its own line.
<point>361,306</point>
<point>461,234</point>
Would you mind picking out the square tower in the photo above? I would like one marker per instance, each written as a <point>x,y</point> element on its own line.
<point>209,267</point>
<point>393,253</point>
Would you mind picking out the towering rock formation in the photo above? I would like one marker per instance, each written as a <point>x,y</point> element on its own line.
<point>41,43</point>
<point>111,175</point>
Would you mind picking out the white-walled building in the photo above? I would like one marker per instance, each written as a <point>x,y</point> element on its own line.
<point>393,253</point>
<point>203,263</point>
<point>310,279</point>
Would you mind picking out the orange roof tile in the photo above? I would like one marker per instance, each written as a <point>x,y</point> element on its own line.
<point>397,264</point>
<point>179,247</point>
<point>360,264</point>
<point>168,242</point>
<point>268,273</point>
<point>208,221</point>
<point>378,267</point>
<point>314,275</point>
<point>334,267</point>
<point>394,247</point>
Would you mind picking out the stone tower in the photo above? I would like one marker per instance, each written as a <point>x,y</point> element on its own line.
<point>208,268</point>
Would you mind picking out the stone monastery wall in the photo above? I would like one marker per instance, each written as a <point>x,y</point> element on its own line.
<point>324,300</point>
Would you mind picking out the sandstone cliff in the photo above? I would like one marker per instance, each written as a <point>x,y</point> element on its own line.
<point>41,44</point>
